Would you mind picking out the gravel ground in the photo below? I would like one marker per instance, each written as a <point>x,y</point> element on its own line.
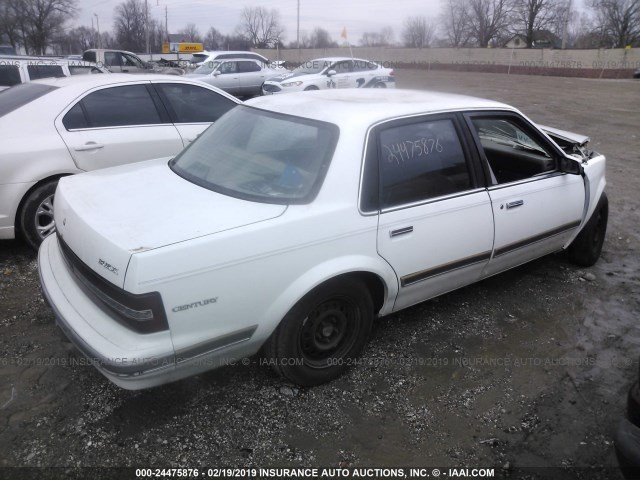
<point>526,369</point>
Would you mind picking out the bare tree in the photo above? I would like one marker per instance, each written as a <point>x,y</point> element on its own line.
<point>213,40</point>
<point>129,25</point>
<point>383,38</point>
<point>489,19</point>
<point>618,21</point>
<point>9,24</point>
<point>36,23</point>
<point>531,16</point>
<point>418,32</point>
<point>261,26</point>
<point>320,38</point>
<point>190,33</point>
<point>455,23</point>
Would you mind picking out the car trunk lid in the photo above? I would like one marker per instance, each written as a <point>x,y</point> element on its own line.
<point>108,215</point>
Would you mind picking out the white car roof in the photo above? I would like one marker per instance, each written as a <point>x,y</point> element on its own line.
<point>367,106</point>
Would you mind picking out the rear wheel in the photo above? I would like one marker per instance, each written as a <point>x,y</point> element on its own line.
<point>319,336</point>
<point>380,85</point>
<point>587,246</point>
<point>311,87</point>
<point>36,216</point>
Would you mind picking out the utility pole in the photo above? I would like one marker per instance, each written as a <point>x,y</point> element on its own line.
<point>565,27</point>
<point>166,21</point>
<point>98,23</point>
<point>298,30</point>
<point>146,25</point>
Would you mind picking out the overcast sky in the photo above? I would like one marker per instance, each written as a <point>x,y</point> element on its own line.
<point>358,16</point>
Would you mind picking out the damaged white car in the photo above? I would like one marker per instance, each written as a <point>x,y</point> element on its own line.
<point>294,221</point>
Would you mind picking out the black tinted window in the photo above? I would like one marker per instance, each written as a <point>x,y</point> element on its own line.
<point>248,67</point>
<point>89,57</point>
<point>9,75</point>
<point>75,118</point>
<point>191,104</point>
<point>18,96</point>
<point>420,161</point>
<point>44,71</point>
<point>119,106</point>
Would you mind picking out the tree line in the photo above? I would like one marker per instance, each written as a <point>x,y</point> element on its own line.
<point>40,26</point>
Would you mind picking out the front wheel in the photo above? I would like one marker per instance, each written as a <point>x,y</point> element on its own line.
<point>322,334</point>
<point>36,216</point>
<point>311,87</point>
<point>587,246</point>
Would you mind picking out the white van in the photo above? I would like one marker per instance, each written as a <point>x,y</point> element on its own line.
<point>21,69</point>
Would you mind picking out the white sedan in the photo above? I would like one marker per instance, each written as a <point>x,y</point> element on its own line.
<point>61,126</point>
<point>294,221</point>
<point>334,72</point>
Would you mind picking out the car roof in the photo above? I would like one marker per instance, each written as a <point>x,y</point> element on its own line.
<point>349,107</point>
<point>335,59</point>
<point>89,81</point>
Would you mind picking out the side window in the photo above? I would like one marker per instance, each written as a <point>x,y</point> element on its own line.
<point>248,67</point>
<point>191,104</point>
<point>514,151</point>
<point>343,67</point>
<point>75,118</point>
<point>420,161</point>
<point>112,59</point>
<point>120,106</point>
<point>129,61</point>
<point>44,71</point>
<point>9,75</point>
<point>363,66</point>
<point>229,67</point>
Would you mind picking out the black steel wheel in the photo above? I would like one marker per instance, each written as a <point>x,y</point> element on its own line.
<point>321,335</point>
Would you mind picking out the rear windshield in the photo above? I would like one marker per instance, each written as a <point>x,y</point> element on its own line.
<point>9,75</point>
<point>18,96</point>
<point>260,156</point>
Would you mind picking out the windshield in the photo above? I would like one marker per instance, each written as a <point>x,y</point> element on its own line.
<point>260,156</point>
<point>312,66</point>
<point>198,57</point>
<point>206,68</point>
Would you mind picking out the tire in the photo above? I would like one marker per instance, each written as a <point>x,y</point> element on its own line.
<point>633,404</point>
<point>311,87</point>
<point>322,333</point>
<point>36,215</point>
<point>380,85</point>
<point>587,246</point>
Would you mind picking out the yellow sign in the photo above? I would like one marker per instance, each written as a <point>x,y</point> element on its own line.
<point>182,47</point>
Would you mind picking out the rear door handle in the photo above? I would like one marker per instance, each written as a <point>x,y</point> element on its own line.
<point>400,231</point>
<point>88,146</point>
<point>517,203</point>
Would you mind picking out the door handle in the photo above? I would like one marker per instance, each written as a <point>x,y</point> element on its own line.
<point>88,146</point>
<point>400,231</point>
<point>517,203</point>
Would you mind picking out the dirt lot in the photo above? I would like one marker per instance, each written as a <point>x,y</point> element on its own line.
<point>526,369</point>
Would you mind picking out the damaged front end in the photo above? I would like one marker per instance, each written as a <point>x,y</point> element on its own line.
<point>571,143</point>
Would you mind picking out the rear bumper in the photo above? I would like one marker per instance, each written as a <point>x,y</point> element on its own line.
<point>129,359</point>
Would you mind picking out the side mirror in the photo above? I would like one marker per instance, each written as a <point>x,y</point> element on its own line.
<point>331,73</point>
<point>568,165</point>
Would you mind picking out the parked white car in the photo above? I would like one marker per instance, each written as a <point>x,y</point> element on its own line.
<point>62,126</point>
<point>294,221</point>
<point>240,77</point>
<point>203,58</point>
<point>335,72</point>
<point>15,70</point>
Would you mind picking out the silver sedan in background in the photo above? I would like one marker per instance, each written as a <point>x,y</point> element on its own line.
<point>241,77</point>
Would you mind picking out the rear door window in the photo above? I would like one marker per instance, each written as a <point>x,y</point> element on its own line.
<point>120,106</point>
<point>248,66</point>
<point>192,104</point>
<point>420,161</point>
<point>44,71</point>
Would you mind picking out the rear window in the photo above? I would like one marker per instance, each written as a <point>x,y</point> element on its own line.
<point>260,156</point>
<point>18,96</point>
